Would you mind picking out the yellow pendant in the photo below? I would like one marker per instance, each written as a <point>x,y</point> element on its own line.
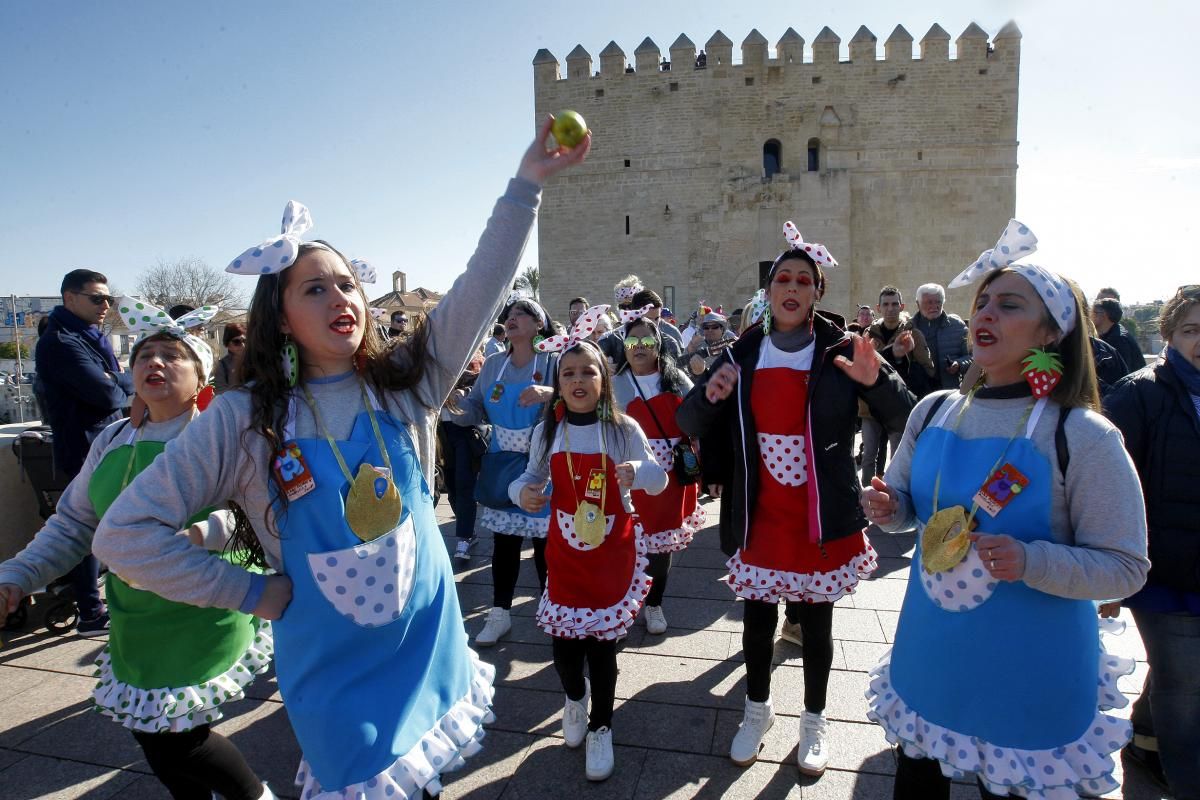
<point>589,524</point>
<point>368,514</point>
<point>945,541</point>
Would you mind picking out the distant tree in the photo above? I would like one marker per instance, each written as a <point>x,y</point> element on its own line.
<point>9,350</point>
<point>189,281</point>
<point>1131,325</point>
<point>533,278</point>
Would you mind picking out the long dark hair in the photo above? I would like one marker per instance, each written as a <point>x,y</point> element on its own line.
<point>611,416</point>
<point>390,366</point>
<point>670,377</point>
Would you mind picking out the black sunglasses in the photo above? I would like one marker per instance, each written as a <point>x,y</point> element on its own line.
<point>240,340</point>
<point>712,326</point>
<point>98,299</point>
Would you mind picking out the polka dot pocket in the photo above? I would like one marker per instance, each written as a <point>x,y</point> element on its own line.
<point>512,440</point>
<point>661,448</point>
<point>963,587</point>
<point>566,525</point>
<point>783,456</point>
<point>369,584</point>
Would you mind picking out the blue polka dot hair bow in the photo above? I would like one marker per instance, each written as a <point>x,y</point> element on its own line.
<point>147,320</point>
<point>1016,242</point>
<point>277,254</point>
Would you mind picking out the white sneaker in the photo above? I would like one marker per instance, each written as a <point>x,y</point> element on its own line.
<point>812,752</point>
<point>575,717</point>
<point>656,620</point>
<point>758,719</point>
<point>462,550</point>
<point>599,754</point>
<point>791,633</point>
<point>498,623</point>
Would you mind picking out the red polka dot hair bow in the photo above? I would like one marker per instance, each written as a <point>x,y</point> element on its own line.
<point>816,252</point>
<point>582,329</point>
<point>628,316</point>
<point>280,252</point>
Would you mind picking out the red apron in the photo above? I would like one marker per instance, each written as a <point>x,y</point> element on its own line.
<point>667,510</point>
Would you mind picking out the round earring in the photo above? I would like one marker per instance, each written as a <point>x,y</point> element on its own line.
<point>290,361</point>
<point>766,323</point>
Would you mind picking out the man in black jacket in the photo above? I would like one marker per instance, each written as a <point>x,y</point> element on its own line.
<point>84,390</point>
<point>1107,315</point>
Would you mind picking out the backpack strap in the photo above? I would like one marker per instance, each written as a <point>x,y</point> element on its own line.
<point>1060,441</point>
<point>933,409</point>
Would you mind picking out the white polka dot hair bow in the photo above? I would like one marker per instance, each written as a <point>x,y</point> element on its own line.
<point>147,320</point>
<point>582,329</point>
<point>1016,242</point>
<point>278,253</point>
<point>816,252</point>
<point>629,315</point>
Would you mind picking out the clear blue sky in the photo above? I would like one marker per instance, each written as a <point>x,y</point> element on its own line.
<point>138,131</point>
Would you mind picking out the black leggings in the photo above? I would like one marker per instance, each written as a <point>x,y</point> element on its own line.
<point>660,565</point>
<point>506,564</point>
<point>758,646</point>
<point>194,764</point>
<point>922,779</point>
<point>601,658</point>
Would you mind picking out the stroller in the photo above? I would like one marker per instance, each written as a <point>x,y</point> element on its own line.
<point>34,450</point>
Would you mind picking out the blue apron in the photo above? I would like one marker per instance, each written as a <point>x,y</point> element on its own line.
<point>512,425</point>
<point>996,661</point>
<point>371,652</point>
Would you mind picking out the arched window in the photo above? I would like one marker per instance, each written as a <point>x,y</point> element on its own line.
<point>772,158</point>
<point>814,155</point>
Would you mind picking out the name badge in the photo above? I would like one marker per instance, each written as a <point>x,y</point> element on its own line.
<point>292,473</point>
<point>1001,489</point>
<point>595,485</point>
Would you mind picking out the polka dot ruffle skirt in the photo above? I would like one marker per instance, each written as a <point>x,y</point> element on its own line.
<point>676,539</point>
<point>513,523</point>
<point>175,709</point>
<point>1081,767</point>
<point>570,622</point>
<point>758,583</point>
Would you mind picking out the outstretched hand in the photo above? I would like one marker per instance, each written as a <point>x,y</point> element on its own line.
<point>866,364</point>
<point>10,598</point>
<point>720,384</point>
<point>539,164</point>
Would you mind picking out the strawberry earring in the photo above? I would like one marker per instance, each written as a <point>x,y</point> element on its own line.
<point>1043,369</point>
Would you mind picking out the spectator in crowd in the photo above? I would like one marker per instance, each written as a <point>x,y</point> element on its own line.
<point>399,327</point>
<point>716,336</point>
<point>735,321</point>
<point>462,447</point>
<point>1107,314</point>
<point>228,372</point>
<point>902,346</point>
<point>576,307</point>
<point>862,320</point>
<point>1107,292</point>
<point>497,343</point>
<point>649,297</point>
<point>945,334</point>
<point>1157,409</point>
<point>612,340</point>
<point>84,389</point>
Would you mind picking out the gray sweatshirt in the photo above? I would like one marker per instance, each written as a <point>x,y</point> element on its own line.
<point>1097,519</point>
<point>217,458</point>
<point>474,405</point>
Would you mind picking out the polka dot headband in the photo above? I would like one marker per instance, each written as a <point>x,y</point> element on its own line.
<point>624,294</point>
<point>143,318</point>
<point>582,329</point>
<point>277,254</point>
<point>1017,242</point>
<point>628,316</point>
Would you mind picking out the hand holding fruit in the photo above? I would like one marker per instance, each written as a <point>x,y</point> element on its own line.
<point>539,164</point>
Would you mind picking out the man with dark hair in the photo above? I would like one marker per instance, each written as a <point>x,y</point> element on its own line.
<point>495,343</point>
<point>1107,292</point>
<point>399,325</point>
<point>84,390</point>
<point>1107,314</point>
<point>649,297</point>
<point>577,306</point>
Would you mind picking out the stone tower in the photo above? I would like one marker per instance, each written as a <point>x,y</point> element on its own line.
<point>904,167</point>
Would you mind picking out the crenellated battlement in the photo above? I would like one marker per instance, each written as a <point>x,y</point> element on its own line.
<point>972,48</point>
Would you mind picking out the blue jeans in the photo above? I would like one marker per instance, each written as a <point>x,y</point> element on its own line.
<point>1169,706</point>
<point>83,578</point>
<point>460,475</point>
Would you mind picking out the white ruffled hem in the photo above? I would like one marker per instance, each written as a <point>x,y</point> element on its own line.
<point>180,708</point>
<point>757,583</point>
<point>676,539</point>
<point>1062,773</point>
<point>513,523</point>
<point>570,622</point>
<point>444,748</point>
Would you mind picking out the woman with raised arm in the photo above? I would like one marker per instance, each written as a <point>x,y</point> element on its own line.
<point>785,398</point>
<point>328,451</point>
<point>1029,511</point>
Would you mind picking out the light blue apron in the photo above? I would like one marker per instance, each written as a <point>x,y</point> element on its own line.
<point>512,425</point>
<point>992,660</point>
<point>371,652</point>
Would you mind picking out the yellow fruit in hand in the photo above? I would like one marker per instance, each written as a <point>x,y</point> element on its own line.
<point>568,129</point>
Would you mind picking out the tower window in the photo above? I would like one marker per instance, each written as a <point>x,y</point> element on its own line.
<point>772,158</point>
<point>626,224</point>
<point>764,269</point>
<point>814,155</point>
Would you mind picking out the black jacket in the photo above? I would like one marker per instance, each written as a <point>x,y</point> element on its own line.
<point>80,395</point>
<point>1162,434</point>
<point>1110,367</point>
<point>1126,346</point>
<point>729,440</point>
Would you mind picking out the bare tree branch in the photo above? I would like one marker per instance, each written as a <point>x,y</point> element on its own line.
<point>191,282</point>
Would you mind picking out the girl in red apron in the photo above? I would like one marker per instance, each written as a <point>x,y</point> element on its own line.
<point>649,388</point>
<point>596,562</point>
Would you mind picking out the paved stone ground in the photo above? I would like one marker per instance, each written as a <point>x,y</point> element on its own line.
<point>679,701</point>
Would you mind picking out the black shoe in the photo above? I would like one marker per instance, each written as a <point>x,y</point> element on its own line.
<point>96,626</point>
<point>1149,761</point>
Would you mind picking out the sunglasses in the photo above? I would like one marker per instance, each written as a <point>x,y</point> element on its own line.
<point>712,326</point>
<point>239,341</point>
<point>649,342</point>
<point>97,299</point>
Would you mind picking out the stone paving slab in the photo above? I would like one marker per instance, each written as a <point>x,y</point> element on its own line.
<point>679,701</point>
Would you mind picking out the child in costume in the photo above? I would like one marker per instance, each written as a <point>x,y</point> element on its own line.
<point>169,668</point>
<point>328,453</point>
<point>785,398</point>
<point>595,556</point>
<point>649,388</point>
<point>510,394</point>
<point>997,672</point>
